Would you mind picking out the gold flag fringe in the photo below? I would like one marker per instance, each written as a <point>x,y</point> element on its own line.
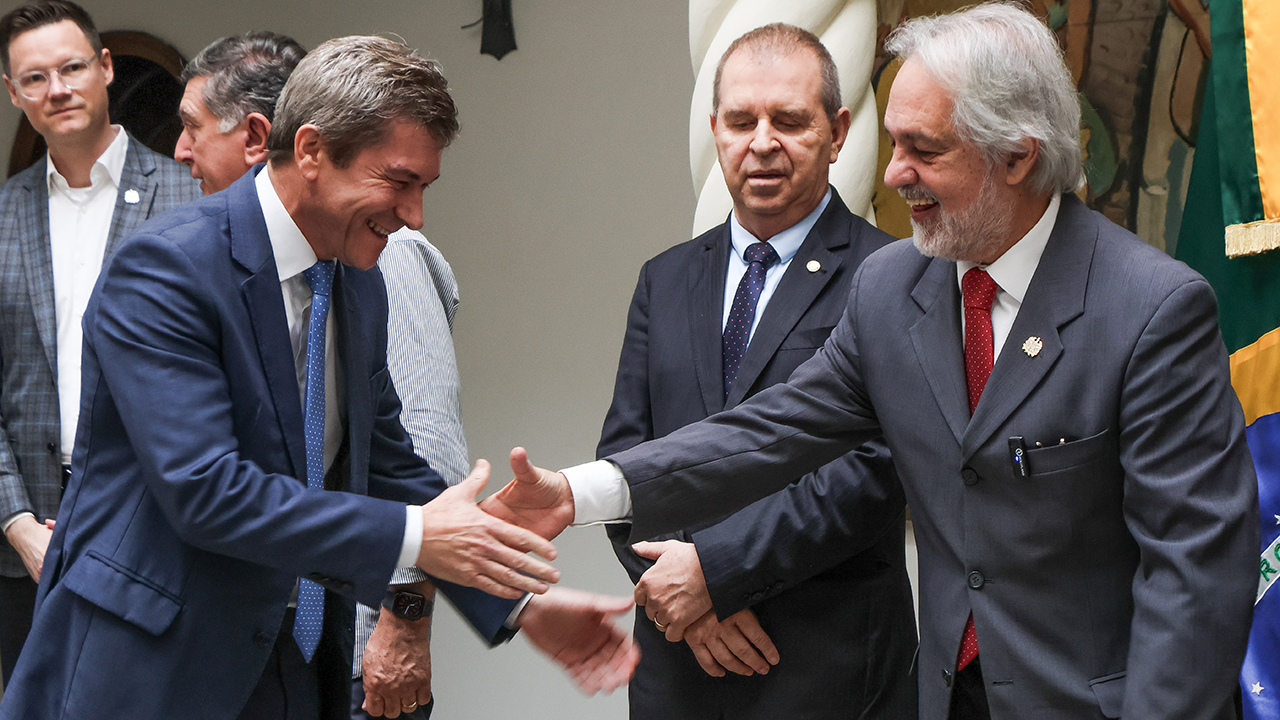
<point>1253,238</point>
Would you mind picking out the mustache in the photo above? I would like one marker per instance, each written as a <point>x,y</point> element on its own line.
<point>913,192</point>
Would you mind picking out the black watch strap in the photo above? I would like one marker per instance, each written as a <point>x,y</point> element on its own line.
<point>407,604</point>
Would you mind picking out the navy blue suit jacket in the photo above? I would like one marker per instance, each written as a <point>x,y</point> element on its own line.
<point>833,595</point>
<point>184,527</point>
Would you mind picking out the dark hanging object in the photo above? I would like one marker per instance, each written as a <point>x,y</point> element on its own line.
<point>498,36</point>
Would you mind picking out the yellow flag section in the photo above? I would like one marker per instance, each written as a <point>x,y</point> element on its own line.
<point>1253,214</point>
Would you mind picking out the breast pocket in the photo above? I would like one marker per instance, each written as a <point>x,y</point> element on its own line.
<point>1069,456</point>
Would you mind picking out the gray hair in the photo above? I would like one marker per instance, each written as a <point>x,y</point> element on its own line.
<point>779,40</point>
<point>1008,81</point>
<point>352,88</point>
<point>245,74</point>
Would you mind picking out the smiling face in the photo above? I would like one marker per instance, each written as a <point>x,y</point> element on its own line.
<point>61,115</point>
<point>961,207</point>
<point>349,211</point>
<point>216,159</point>
<point>774,139</point>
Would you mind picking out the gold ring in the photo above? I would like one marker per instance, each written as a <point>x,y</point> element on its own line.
<point>410,707</point>
<point>660,626</point>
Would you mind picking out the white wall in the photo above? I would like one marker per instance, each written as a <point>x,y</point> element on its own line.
<point>571,170</point>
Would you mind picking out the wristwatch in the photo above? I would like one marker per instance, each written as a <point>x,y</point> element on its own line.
<point>407,604</point>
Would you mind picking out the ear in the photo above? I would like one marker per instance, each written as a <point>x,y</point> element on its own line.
<point>256,129</point>
<point>309,151</point>
<point>712,118</point>
<point>13,93</point>
<point>840,131</point>
<point>108,69</point>
<point>1019,165</point>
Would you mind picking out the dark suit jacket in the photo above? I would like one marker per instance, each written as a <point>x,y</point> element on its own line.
<point>833,597</point>
<point>1117,580</point>
<point>31,454</point>
<point>184,526</point>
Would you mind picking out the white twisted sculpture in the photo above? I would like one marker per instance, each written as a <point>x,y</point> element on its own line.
<point>847,28</point>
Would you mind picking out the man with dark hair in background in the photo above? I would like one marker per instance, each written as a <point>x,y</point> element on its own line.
<point>785,608</point>
<point>58,220</point>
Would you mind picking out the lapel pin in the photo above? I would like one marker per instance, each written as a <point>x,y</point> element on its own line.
<point>813,266</point>
<point>1032,346</point>
<point>131,196</point>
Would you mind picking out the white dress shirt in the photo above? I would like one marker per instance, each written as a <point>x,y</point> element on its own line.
<point>79,223</point>
<point>293,254</point>
<point>600,492</point>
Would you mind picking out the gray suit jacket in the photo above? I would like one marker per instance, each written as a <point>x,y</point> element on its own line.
<point>1118,579</point>
<point>31,459</point>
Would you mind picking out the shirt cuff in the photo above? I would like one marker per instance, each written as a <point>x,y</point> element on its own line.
<point>412,536</point>
<point>510,622</point>
<point>600,493</point>
<point>4,525</point>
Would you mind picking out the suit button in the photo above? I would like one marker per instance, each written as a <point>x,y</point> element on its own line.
<point>970,476</point>
<point>946,677</point>
<point>976,580</point>
<point>53,448</point>
<point>263,638</point>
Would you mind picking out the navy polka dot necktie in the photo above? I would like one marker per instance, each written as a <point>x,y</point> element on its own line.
<point>737,331</point>
<point>310,615</point>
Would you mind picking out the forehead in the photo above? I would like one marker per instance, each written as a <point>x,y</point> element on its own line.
<point>193,97</point>
<point>752,80</point>
<point>918,104</point>
<point>48,44</point>
<point>407,149</point>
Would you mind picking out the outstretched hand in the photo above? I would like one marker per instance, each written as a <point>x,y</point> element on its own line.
<point>576,630</point>
<point>673,592</point>
<point>537,499</point>
<point>464,545</point>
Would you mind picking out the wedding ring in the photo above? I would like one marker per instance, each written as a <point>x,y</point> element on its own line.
<point>660,626</point>
<point>410,707</point>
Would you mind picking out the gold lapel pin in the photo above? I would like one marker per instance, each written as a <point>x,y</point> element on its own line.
<point>813,266</point>
<point>1032,346</point>
<point>132,197</point>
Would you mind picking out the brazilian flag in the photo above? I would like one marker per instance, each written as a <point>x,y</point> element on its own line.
<point>1230,232</point>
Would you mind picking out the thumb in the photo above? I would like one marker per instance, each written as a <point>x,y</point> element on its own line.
<point>651,550</point>
<point>523,469</point>
<point>611,605</point>
<point>476,481</point>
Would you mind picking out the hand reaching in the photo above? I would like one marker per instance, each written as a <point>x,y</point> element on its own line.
<point>673,592</point>
<point>467,546</point>
<point>738,644</point>
<point>537,499</point>
<point>576,630</point>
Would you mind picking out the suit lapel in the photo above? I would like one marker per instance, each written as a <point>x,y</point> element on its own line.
<point>936,339</point>
<point>706,303</point>
<point>137,184</point>
<point>251,247</point>
<point>793,296</point>
<point>354,366</point>
<point>37,257</point>
<point>1054,298</point>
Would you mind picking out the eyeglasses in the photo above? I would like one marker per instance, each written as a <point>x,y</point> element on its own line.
<point>35,85</point>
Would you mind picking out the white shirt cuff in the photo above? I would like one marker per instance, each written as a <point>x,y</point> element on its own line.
<point>4,527</point>
<point>412,536</point>
<point>600,493</point>
<point>515,612</point>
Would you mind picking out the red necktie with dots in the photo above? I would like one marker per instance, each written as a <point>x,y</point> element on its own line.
<point>979,292</point>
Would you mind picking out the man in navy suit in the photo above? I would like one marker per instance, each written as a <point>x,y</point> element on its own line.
<point>1056,396</point>
<point>210,538</point>
<point>794,612</point>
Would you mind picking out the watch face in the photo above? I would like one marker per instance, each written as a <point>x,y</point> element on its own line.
<point>409,605</point>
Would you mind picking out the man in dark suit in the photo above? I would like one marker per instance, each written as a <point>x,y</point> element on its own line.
<point>58,220</point>
<point>1054,391</point>
<point>235,376</point>
<point>831,623</point>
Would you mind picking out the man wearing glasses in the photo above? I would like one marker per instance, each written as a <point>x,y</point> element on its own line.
<point>58,219</point>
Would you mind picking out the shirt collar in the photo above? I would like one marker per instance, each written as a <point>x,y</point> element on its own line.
<point>108,167</point>
<point>786,243</point>
<point>1013,270</point>
<point>292,252</point>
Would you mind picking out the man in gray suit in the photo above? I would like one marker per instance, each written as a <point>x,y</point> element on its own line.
<point>1056,397</point>
<point>58,219</point>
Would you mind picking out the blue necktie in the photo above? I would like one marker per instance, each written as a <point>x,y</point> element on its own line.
<point>310,615</point>
<point>737,331</point>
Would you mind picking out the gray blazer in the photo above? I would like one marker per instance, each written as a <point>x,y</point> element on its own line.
<point>1117,580</point>
<point>31,459</point>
